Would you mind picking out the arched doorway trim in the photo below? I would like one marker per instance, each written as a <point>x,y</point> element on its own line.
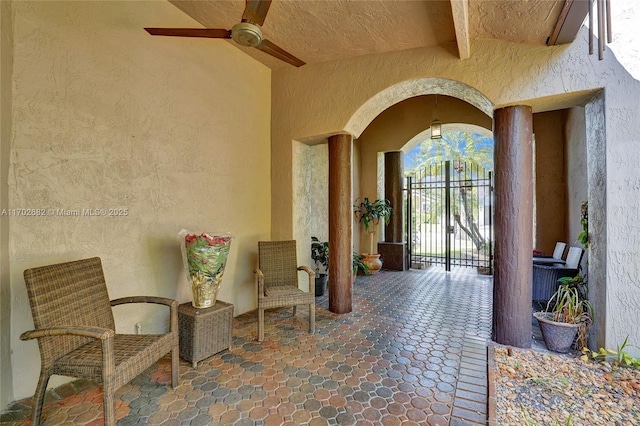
<point>410,88</point>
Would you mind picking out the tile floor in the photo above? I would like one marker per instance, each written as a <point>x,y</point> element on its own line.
<point>412,352</point>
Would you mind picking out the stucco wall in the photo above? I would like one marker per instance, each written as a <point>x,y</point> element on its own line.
<point>106,116</point>
<point>505,73</point>
<point>6,68</point>
<point>576,172</point>
<point>319,193</point>
<point>311,217</point>
<point>550,205</point>
<point>600,244</point>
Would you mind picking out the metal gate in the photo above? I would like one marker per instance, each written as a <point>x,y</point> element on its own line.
<point>449,216</point>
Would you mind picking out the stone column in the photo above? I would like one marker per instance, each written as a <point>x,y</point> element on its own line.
<point>513,131</point>
<point>392,250</point>
<point>340,224</point>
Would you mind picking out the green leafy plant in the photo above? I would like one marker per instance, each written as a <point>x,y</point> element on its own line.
<point>579,282</point>
<point>359,265</point>
<point>583,237</point>
<point>567,306</point>
<point>369,213</point>
<point>320,255</point>
<point>618,357</point>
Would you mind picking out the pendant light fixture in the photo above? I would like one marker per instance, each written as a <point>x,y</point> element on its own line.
<point>436,125</point>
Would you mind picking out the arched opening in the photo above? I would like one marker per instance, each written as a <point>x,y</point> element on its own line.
<point>399,127</point>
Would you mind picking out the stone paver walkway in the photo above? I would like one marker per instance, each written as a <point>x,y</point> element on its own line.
<point>412,352</point>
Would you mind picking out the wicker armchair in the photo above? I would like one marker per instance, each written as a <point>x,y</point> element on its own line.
<point>558,251</point>
<point>75,329</point>
<point>545,277</point>
<point>277,281</point>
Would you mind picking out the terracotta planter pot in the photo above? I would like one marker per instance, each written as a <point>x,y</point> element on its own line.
<point>558,336</point>
<point>373,262</point>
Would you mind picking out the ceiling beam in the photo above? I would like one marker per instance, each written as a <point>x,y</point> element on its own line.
<point>460,12</point>
<point>569,22</point>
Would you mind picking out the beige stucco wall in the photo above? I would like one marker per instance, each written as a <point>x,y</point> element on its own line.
<point>505,73</point>
<point>575,173</point>
<point>319,194</point>
<point>106,116</point>
<point>309,206</point>
<point>550,205</point>
<point>6,69</point>
<point>311,199</point>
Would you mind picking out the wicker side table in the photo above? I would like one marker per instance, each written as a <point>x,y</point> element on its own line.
<point>204,331</point>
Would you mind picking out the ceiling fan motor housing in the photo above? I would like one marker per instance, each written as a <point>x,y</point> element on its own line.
<point>246,34</point>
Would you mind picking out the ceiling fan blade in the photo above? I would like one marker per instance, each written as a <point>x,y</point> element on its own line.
<point>255,11</point>
<point>190,32</point>
<point>267,47</point>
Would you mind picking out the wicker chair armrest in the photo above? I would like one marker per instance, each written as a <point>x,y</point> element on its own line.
<point>144,299</point>
<point>307,270</point>
<point>259,282</point>
<point>171,303</point>
<point>78,330</point>
<point>312,275</point>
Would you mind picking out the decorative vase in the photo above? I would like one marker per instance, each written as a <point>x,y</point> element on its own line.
<point>321,284</point>
<point>373,262</point>
<point>558,336</point>
<point>205,257</point>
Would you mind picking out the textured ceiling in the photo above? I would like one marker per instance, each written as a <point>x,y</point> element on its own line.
<point>522,21</point>
<point>318,31</point>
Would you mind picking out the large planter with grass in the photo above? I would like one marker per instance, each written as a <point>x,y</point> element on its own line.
<point>568,314</point>
<point>558,336</point>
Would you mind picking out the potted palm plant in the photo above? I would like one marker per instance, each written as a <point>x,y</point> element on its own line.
<point>568,314</point>
<point>370,213</point>
<point>320,256</point>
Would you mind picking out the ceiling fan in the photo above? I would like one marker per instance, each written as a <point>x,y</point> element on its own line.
<point>246,33</point>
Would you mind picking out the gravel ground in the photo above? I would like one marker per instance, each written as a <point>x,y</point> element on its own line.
<point>534,388</point>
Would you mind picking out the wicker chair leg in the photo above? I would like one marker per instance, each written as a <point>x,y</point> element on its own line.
<point>295,310</point>
<point>174,366</point>
<point>260,325</point>
<point>312,318</point>
<point>109,406</point>
<point>38,398</point>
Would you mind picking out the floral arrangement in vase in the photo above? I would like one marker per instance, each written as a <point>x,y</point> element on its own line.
<point>205,257</point>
